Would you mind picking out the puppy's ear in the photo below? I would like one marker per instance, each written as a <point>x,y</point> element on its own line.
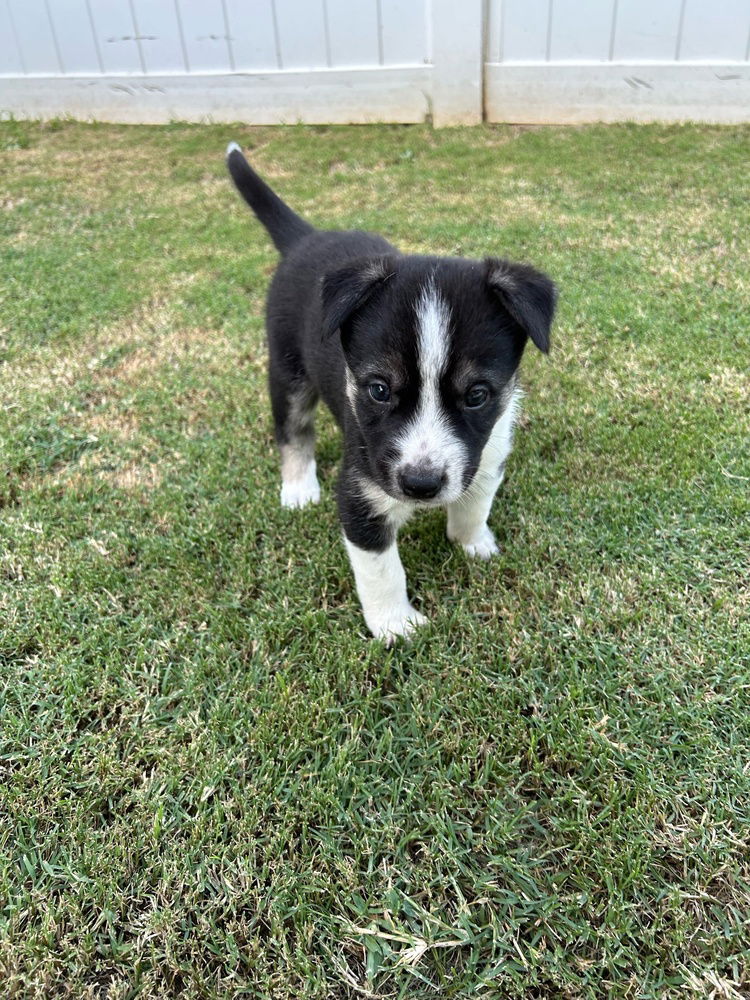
<point>346,290</point>
<point>528,295</point>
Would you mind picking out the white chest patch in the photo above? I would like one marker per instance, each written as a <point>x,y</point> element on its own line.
<point>429,440</point>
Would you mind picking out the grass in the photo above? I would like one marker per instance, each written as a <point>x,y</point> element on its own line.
<point>213,784</point>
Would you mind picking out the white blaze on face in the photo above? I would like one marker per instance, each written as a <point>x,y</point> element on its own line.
<point>429,441</point>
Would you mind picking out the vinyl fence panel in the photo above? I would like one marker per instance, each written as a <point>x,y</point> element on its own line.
<point>615,60</point>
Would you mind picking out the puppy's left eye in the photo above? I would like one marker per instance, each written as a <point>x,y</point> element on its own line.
<point>379,392</point>
<point>477,396</point>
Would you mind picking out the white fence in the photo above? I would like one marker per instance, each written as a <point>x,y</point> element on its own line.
<point>268,61</point>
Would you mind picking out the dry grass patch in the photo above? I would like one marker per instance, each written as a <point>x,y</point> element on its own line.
<point>131,474</point>
<point>53,367</point>
<point>92,171</point>
<point>161,348</point>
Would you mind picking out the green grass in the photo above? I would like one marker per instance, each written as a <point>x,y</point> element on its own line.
<point>213,784</point>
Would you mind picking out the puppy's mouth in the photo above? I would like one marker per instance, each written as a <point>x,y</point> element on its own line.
<point>438,501</point>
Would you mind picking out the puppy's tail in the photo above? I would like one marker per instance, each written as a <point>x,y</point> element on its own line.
<point>284,225</point>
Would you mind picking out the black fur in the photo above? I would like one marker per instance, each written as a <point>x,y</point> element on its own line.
<point>284,225</point>
<point>528,295</point>
<point>360,286</point>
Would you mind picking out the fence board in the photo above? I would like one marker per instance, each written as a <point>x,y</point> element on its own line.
<point>34,33</point>
<point>205,34</point>
<point>302,36</point>
<point>252,35</point>
<point>645,30</point>
<point>12,63</point>
<point>403,26</point>
<point>75,39</point>
<point>580,30</point>
<point>160,37</point>
<point>116,35</point>
<point>353,33</point>
<point>524,28</point>
<point>718,31</point>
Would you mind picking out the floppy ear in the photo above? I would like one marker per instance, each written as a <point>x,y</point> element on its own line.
<point>527,294</point>
<point>346,290</point>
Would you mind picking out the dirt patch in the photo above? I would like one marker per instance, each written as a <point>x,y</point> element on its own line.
<point>9,204</point>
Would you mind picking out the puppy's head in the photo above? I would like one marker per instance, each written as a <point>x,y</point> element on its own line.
<point>432,347</point>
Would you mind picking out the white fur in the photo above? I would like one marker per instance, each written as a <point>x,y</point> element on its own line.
<point>467,517</point>
<point>429,439</point>
<point>381,586</point>
<point>483,544</point>
<point>396,512</point>
<point>232,147</point>
<point>299,482</point>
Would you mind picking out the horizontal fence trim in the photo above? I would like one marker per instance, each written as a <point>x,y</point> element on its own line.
<point>654,63</point>
<point>358,96</point>
<point>544,93</point>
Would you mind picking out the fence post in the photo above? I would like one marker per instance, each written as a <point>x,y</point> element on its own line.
<point>457,59</point>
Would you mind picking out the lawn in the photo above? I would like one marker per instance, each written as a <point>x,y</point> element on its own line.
<point>213,783</point>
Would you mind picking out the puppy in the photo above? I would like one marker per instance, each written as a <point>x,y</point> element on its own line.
<point>417,358</point>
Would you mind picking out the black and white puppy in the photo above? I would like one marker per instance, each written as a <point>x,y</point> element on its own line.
<point>417,358</point>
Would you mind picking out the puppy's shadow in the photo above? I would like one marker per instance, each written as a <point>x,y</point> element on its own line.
<point>429,558</point>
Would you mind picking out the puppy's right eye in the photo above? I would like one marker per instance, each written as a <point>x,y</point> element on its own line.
<point>477,396</point>
<point>379,392</point>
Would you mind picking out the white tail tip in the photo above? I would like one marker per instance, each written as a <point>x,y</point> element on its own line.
<point>232,147</point>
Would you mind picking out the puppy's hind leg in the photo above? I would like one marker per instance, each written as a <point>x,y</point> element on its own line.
<point>294,417</point>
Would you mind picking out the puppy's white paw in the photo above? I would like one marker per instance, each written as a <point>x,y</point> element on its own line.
<point>481,545</point>
<point>300,492</point>
<point>399,623</point>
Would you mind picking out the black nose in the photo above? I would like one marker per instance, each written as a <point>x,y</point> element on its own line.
<point>421,484</point>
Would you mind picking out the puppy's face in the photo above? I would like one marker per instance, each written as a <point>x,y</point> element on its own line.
<point>432,350</point>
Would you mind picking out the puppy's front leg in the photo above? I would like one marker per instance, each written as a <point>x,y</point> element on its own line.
<point>381,586</point>
<point>467,517</point>
<point>370,540</point>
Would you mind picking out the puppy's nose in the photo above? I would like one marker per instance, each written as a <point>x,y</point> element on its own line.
<point>421,484</point>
